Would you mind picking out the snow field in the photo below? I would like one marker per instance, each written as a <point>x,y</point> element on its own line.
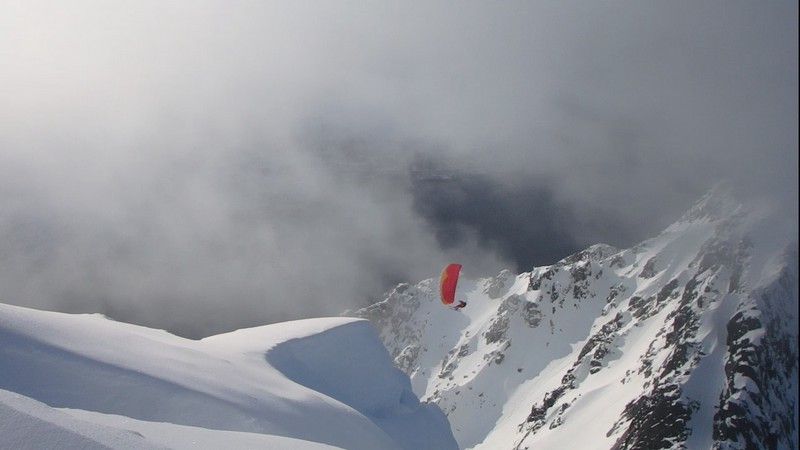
<point>306,384</point>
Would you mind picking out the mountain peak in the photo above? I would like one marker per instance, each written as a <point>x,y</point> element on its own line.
<point>596,252</point>
<point>673,342</point>
<point>718,203</point>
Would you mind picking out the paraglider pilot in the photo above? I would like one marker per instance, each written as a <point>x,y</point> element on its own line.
<point>447,286</point>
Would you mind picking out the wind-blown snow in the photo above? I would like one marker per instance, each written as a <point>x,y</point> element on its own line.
<point>90,382</point>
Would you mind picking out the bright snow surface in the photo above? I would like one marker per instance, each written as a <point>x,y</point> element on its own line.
<point>487,366</point>
<point>83,381</point>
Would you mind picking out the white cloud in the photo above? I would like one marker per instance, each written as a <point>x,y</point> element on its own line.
<point>162,158</point>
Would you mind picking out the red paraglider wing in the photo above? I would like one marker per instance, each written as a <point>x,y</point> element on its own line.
<point>447,283</point>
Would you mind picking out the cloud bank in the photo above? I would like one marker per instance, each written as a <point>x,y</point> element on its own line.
<point>161,163</point>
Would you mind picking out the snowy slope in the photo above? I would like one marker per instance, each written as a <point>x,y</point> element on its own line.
<point>687,340</point>
<point>87,382</point>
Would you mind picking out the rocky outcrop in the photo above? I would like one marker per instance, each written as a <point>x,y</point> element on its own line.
<point>675,343</point>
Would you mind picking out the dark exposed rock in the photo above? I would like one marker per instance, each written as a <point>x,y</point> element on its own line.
<point>649,269</point>
<point>579,273</point>
<point>497,330</point>
<point>637,306</point>
<point>596,252</point>
<point>602,337</point>
<point>617,261</point>
<point>645,308</point>
<point>538,414</point>
<point>657,420</point>
<point>531,314</point>
<point>497,356</point>
<point>755,411</point>
<point>406,360</point>
<point>450,363</point>
<point>535,283</point>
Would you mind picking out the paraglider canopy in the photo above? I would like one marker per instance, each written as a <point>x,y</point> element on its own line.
<point>447,283</point>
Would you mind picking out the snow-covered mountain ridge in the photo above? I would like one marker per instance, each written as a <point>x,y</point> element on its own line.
<point>83,381</point>
<point>687,340</point>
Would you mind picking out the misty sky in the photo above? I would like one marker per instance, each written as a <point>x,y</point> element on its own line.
<point>202,166</point>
